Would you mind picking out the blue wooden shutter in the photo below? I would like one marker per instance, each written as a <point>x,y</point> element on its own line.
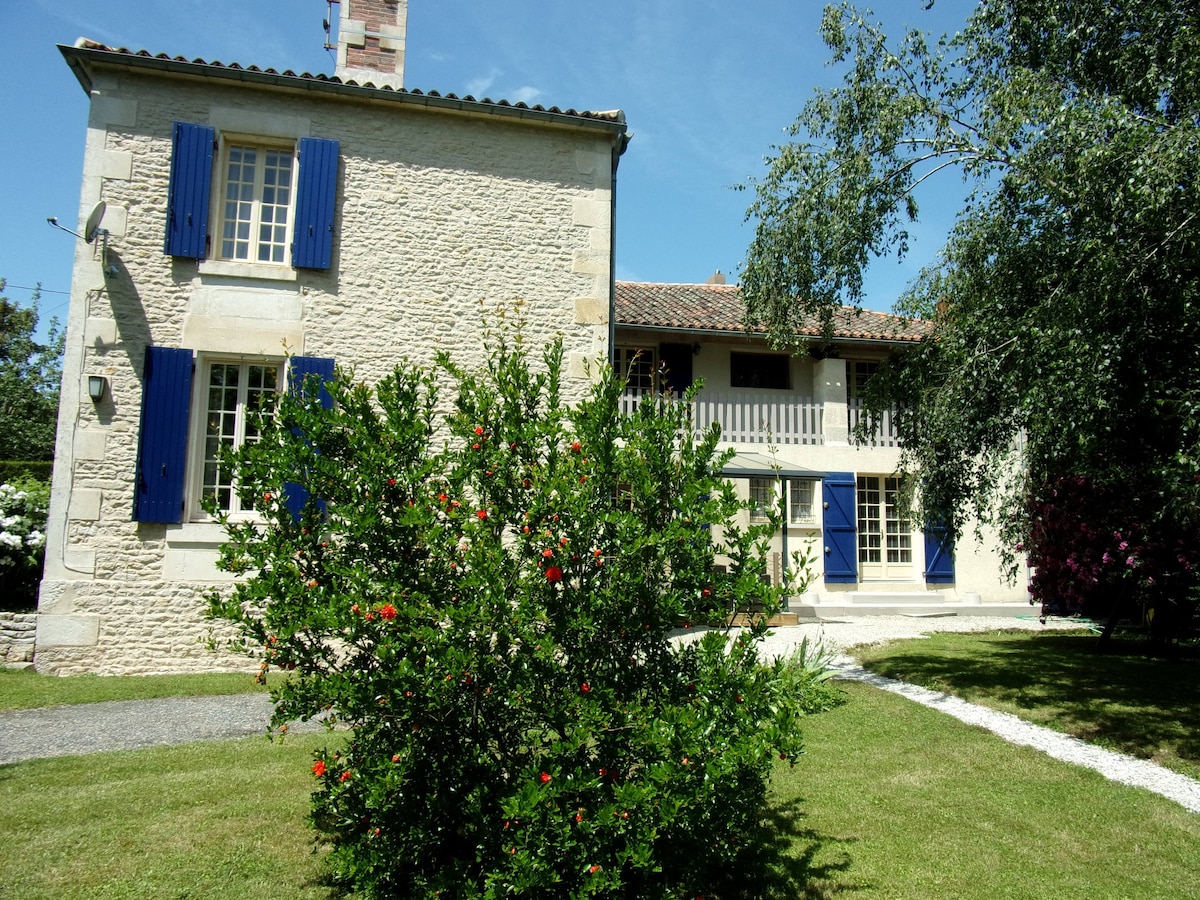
<point>163,436</point>
<point>939,556</point>
<point>316,192</point>
<point>189,192</point>
<point>841,525</point>
<point>295,495</point>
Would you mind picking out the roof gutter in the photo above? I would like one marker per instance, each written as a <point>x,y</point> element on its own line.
<point>762,335</point>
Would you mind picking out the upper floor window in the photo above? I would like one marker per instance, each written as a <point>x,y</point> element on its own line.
<point>861,371</point>
<point>637,365</point>
<point>759,370</point>
<point>256,203</point>
<point>274,204</point>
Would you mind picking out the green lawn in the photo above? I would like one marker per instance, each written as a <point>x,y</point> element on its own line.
<point>215,820</point>
<point>1146,707</point>
<point>23,689</point>
<point>892,800</point>
<point>897,800</point>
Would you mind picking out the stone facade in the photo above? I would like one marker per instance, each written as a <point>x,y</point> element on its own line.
<point>17,633</point>
<point>445,210</point>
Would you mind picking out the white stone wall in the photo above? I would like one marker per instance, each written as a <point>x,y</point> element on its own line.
<point>441,218</point>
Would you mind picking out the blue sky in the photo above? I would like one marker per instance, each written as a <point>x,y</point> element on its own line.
<point>707,86</point>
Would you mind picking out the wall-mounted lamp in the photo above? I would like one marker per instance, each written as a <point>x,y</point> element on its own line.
<point>96,387</point>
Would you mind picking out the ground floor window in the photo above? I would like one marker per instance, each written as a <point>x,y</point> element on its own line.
<point>800,501</point>
<point>762,498</point>
<point>234,393</point>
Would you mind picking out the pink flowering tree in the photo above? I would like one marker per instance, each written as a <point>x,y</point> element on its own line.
<point>1089,558</point>
<point>513,605</point>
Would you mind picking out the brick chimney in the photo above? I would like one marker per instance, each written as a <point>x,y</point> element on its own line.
<point>716,278</point>
<point>370,45</point>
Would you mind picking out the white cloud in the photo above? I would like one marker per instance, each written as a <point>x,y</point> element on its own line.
<point>526,94</point>
<point>478,87</point>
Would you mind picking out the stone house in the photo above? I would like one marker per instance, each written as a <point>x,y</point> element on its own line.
<point>790,420</point>
<point>249,215</point>
<point>247,226</point>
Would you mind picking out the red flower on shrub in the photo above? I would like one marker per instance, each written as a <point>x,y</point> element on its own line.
<point>345,776</point>
<point>586,688</point>
<point>319,768</point>
<point>576,447</point>
<point>479,429</point>
<point>553,574</point>
<point>482,514</point>
<point>547,553</point>
<point>387,611</point>
<point>544,778</point>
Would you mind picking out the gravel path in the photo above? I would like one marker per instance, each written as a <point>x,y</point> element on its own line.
<point>130,724</point>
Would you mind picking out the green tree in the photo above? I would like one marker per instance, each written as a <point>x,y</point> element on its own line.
<point>29,381</point>
<point>1066,301</point>
<point>486,594</point>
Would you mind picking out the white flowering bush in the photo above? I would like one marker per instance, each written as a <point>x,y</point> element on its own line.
<point>23,506</point>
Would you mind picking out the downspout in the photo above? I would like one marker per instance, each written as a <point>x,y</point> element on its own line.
<point>619,146</point>
<point>783,503</point>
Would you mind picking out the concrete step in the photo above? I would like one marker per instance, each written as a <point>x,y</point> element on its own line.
<point>830,609</point>
<point>903,598</point>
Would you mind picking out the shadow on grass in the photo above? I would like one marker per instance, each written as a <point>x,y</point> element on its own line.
<point>1143,706</point>
<point>790,860</point>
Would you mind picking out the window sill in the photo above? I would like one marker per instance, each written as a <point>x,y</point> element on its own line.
<point>263,271</point>
<point>208,534</point>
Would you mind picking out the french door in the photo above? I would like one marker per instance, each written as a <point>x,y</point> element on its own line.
<point>885,545</point>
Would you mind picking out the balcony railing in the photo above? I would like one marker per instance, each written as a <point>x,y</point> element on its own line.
<point>750,418</point>
<point>885,434</point>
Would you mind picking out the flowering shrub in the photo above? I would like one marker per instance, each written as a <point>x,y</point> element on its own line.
<point>1090,559</point>
<point>492,599</point>
<point>23,506</point>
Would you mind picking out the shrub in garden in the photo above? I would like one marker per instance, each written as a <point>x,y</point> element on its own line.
<point>492,598</point>
<point>1089,558</point>
<point>23,506</point>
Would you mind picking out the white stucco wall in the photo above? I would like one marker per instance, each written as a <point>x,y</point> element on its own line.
<point>440,216</point>
<point>978,567</point>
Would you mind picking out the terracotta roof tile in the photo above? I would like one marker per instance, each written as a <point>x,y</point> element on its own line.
<point>85,44</point>
<point>718,307</point>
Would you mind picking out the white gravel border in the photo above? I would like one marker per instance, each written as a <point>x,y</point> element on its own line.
<point>841,635</point>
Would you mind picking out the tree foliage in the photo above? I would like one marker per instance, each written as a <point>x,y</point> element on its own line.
<point>29,377</point>
<point>1066,302</point>
<point>488,598</point>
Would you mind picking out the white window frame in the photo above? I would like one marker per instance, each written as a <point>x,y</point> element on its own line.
<point>200,420</point>
<point>227,143</point>
<point>764,496</point>
<point>887,550</point>
<point>797,488</point>
<point>640,366</point>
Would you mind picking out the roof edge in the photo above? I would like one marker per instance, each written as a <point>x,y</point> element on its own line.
<point>85,52</point>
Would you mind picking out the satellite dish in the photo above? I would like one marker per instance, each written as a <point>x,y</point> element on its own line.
<point>93,221</point>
